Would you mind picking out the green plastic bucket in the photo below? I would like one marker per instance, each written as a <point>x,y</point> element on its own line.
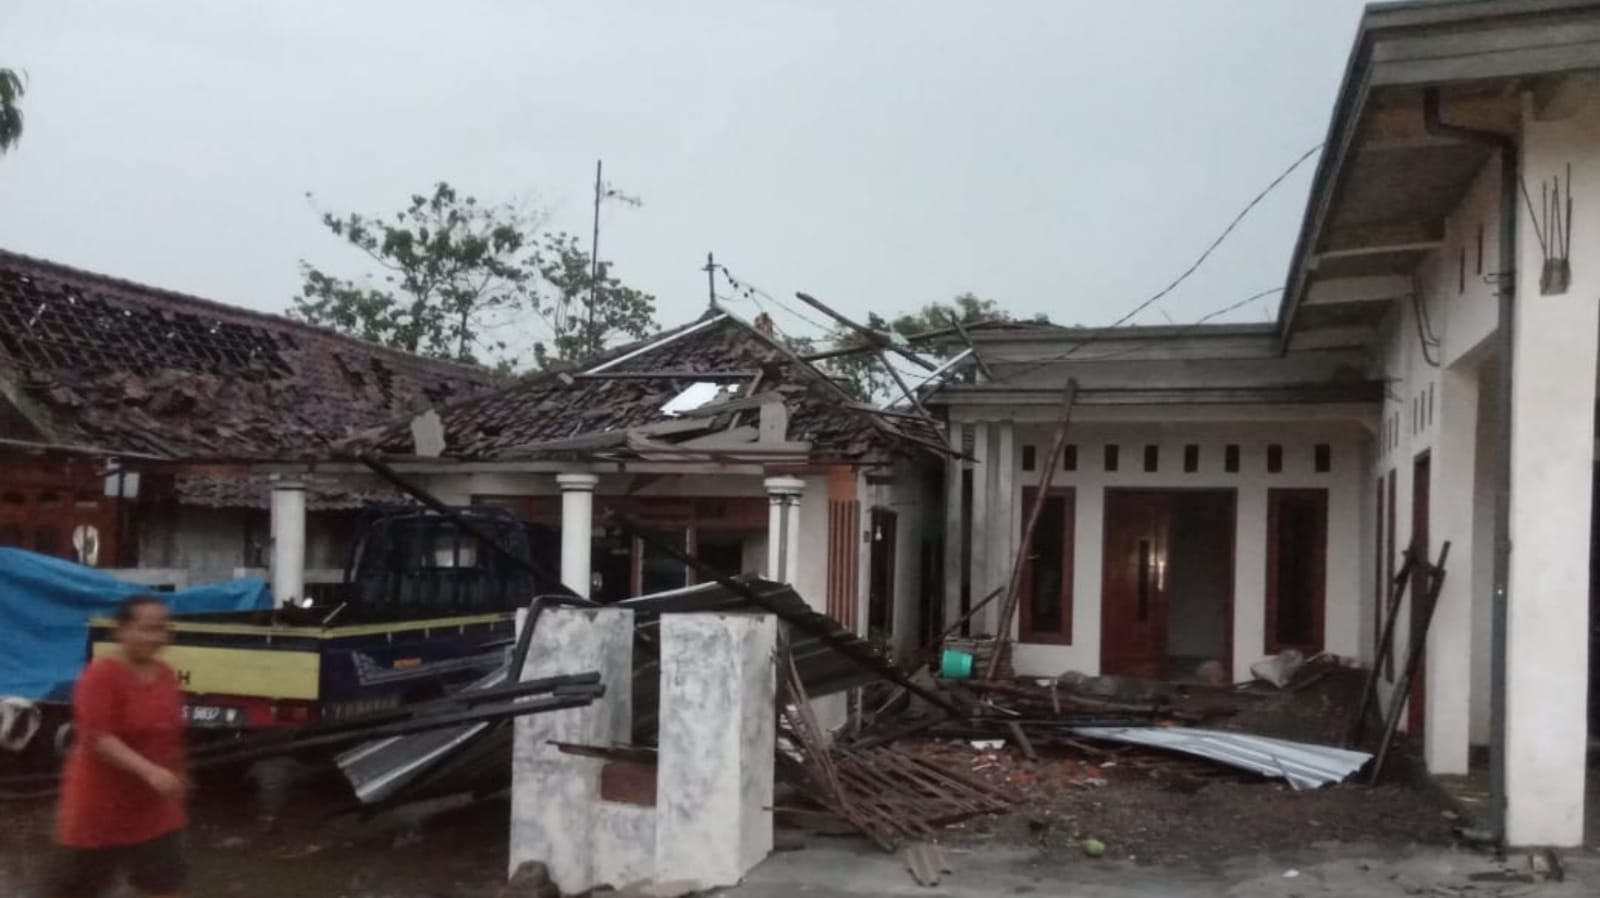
<point>955,665</point>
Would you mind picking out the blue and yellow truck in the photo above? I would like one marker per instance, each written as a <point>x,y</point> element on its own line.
<point>423,609</point>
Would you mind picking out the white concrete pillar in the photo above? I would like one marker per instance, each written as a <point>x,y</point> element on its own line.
<point>1250,578</point>
<point>555,796</point>
<point>983,490</point>
<point>577,530</point>
<point>1005,526</point>
<point>1452,496</point>
<point>953,536</point>
<point>717,740</point>
<point>1556,345</point>
<point>783,527</point>
<point>288,513</point>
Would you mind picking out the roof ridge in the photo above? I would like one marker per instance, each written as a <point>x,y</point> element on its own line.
<point>10,259</point>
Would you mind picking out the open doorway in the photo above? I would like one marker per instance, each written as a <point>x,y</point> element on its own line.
<point>1168,582</point>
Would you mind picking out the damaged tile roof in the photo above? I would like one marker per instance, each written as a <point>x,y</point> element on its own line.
<point>91,361</point>
<point>677,396</point>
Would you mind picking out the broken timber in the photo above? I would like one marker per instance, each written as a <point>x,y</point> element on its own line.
<point>1419,640</point>
<point>819,626</point>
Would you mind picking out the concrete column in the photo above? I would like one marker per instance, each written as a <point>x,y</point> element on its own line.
<point>555,796</point>
<point>288,541</point>
<point>577,530</point>
<point>1250,577</point>
<point>1004,526</point>
<point>983,490</point>
<point>717,739</point>
<point>953,536</point>
<point>783,527</point>
<point>1453,496</point>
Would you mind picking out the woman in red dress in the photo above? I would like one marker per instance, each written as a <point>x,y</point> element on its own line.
<point>122,795</point>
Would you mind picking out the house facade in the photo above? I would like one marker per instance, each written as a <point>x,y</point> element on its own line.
<point>1226,492</point>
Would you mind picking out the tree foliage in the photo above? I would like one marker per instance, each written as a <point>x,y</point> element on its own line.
<point>580,329</point>
<point>12,87</point>
<point>455,276</point>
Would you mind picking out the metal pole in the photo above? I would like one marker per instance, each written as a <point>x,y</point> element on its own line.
<point>594,265</point>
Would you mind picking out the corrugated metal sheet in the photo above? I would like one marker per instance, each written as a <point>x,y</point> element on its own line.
<point>1304,765</point>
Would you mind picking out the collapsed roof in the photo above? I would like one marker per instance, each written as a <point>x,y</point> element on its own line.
<point>715,390</point>
<point>94,363</point>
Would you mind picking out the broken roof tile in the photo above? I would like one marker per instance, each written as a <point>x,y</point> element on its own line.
<point>130,368</point>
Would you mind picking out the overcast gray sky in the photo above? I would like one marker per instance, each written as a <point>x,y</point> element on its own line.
<point>1059,156</point>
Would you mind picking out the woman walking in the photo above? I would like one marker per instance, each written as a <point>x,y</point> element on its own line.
<point>122,795</point>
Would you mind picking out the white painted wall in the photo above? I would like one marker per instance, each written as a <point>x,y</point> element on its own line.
<point>1347,442</point>
<point>1553,430</point>
<point>211,543</point>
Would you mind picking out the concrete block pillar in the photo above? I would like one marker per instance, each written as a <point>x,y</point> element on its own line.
<point>1448,708</point>
<point>1556,341</point>
<point>983,490</point>
<point>1005,524</point>
<point>717,738</point>
<point>783,527</point>
<point>577,530</point>
<point>1250,579</point>
<point>555,796</point>
<point>288,519</point>
<point>954,536</point>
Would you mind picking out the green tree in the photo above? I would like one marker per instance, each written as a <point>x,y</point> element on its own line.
<point>12,87</point>
<point>454,275</point>
<point>584,312</point>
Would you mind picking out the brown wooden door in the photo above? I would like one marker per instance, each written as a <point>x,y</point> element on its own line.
<point>1134,607</point>
<point>1421,473</point>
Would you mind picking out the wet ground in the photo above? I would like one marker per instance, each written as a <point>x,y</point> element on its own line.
<point>1184,826</point>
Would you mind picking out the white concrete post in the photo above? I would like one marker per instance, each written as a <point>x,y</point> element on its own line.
<point>1004,520</point>
<point>288,513</point>
<point>983,490</point>
<point>783,527</point>
<point>577,530</point>
<point>1249,576</point>
<point>1552,454</point>
<point>1448,707</point>
<point>554,795</point>
<point>953,528</point>
<point>717,739</point>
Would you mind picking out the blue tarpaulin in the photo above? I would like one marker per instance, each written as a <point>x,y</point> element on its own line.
<point>46,605</point>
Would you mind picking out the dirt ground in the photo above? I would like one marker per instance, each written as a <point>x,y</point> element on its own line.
<point>1150,810</point>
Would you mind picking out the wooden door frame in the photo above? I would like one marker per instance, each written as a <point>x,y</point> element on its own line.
<point>1421,512</point>
<point>1232,495</point>
<point>1069,534</point>
<point>1319,615</point>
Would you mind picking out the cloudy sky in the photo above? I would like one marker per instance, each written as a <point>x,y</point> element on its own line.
<point>1060,156</point>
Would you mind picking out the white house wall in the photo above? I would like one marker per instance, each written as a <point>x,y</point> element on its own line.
<point>1250,485</point>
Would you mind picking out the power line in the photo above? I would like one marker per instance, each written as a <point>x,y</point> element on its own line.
<point>1187,328</point>
<point>1163,292</point>
<point>751,291</point>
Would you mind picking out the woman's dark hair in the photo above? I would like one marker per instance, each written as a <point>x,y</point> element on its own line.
<point>128,608</point>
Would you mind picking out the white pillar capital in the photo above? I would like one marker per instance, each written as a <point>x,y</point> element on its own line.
<point>784,486</point>
<point>574,483</point>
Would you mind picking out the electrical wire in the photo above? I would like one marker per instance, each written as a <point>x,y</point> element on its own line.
<point>1193,267</point>
<point>1184,330</point>
<point>752,291</point>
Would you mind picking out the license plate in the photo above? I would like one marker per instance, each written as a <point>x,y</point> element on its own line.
<point>213,716</point>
